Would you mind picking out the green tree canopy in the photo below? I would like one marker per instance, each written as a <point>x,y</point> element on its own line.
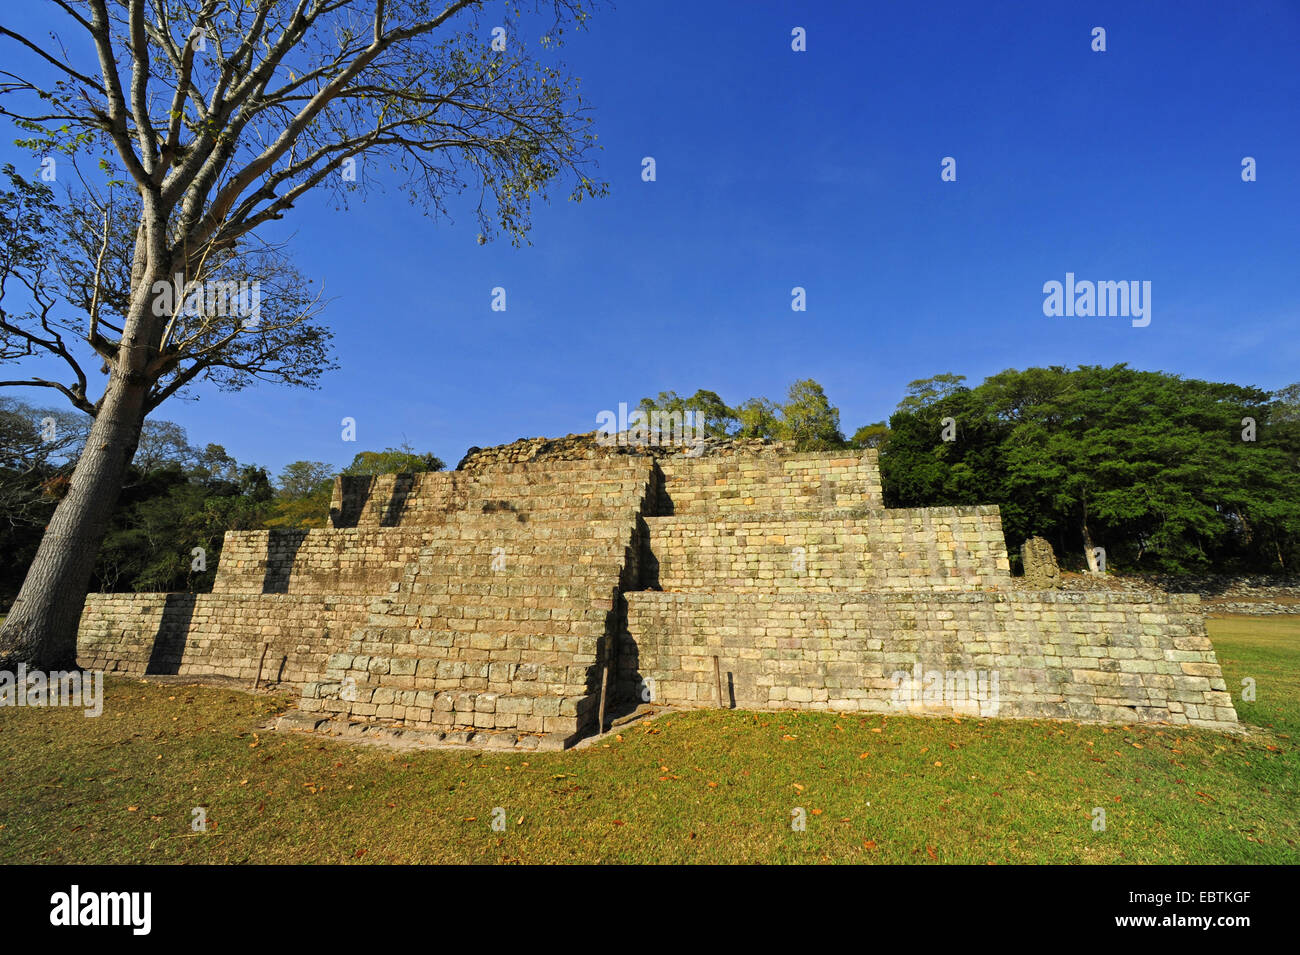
<point>871,436</point>
<point>807,419</point>
<point>400,460</point>
<point>304,477</point>
<point>1152,467</point>
<point>718,419</point>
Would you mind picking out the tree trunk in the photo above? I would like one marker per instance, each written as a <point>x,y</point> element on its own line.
<point>1247,534</point>
<point>41,629</point>
<point>1088,549</point>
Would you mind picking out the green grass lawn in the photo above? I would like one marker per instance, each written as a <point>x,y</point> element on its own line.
<point>698,787</point>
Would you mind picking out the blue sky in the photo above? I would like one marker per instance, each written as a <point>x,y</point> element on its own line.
<point>821,169</point>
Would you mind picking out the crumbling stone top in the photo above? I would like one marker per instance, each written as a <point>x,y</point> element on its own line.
<point>595,444</point>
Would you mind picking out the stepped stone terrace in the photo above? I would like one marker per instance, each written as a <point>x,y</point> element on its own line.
<point>490,605</point>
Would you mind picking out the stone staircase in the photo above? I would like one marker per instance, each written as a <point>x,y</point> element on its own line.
<point>497,632</point>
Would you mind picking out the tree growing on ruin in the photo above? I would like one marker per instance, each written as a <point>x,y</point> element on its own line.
<point>210,120</point>
<point>808,421</point>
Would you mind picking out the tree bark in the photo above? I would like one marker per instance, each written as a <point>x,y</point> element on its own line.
<point>1245,525</point>
<point>41,629</point>
<point>1088,553</point>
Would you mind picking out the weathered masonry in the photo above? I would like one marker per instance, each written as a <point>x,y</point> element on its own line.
<point>486,605</point>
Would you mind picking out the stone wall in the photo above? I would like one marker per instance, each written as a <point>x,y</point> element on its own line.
<point>563,489</point>
<point>1222,593</point>
<point>372,560</point>
<point>939,548</point>
<point>1044,655</point>
<point>1219,593</point>
<point>769,483</point>
<point>317,561</point>
<point>216,634</point>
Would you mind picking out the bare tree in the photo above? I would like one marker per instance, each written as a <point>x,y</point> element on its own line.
<point>220,115</point>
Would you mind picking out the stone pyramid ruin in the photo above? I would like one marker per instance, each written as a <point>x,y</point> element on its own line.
<point>489,605</point>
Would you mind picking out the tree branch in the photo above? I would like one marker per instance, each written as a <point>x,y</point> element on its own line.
<point>79,77</point>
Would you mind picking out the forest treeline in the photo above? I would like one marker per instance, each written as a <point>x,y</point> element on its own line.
<point>1167,474</point>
